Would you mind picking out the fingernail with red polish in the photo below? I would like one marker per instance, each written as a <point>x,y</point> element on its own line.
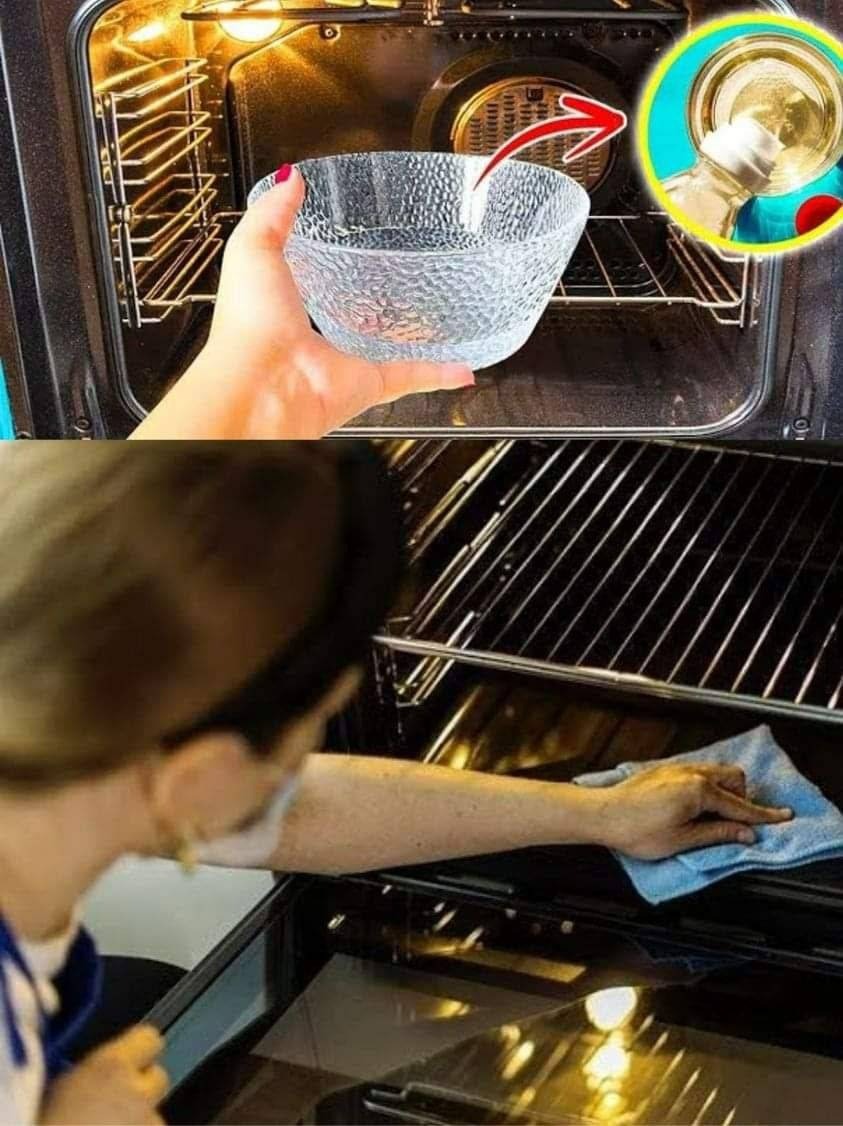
<point>283,173</point>
<point>457,375</point>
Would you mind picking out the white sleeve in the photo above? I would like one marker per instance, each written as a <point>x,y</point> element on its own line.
<point>21,1088</point>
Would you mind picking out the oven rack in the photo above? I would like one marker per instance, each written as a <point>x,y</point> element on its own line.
<point>617,263</point>
<point>690,274</point>
<point>680,572</point>
<point>164,222</point>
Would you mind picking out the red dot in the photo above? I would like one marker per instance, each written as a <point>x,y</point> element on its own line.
<point>816,211</point>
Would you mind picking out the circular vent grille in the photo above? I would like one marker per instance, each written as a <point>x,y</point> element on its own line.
<point>492,116</point>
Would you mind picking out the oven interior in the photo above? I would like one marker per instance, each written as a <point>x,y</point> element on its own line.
<point>187,103</point>
<point>575,605</point>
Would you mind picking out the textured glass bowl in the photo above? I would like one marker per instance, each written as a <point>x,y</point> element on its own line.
<point>397,258</point>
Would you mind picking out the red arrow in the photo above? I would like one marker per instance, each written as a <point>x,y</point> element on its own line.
<point>583,115</point>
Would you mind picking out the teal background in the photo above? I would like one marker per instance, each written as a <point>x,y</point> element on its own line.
<point>7,426</point>
<point>672,150</point>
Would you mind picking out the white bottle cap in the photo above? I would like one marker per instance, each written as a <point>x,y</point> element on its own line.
<point>744,149</point>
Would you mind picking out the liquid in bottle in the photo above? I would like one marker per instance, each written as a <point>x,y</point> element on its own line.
<point>736,163</point>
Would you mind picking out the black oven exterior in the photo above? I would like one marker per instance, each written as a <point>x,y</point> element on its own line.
<point>765,936</point>
<point>289,940</point>
<point>61,346</point>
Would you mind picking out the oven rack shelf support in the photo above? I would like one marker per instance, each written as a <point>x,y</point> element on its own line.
<point>426,526</point>
<point>165,226</point>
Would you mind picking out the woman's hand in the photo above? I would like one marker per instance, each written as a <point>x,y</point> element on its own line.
<point>120,1082</point>
<point>265,373</point>
<point>658,812</point>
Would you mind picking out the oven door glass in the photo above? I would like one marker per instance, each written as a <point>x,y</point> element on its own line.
<point>431,1009</point>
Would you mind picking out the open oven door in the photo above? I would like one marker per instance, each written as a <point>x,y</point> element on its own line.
<point>414,1005</point>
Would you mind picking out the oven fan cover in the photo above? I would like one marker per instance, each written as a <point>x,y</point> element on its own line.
<point>482,99</point>
<point>490,118</point>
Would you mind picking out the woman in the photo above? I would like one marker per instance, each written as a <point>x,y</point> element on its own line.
<point>179,623</point>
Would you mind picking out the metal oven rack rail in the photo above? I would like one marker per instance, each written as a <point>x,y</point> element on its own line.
<point>166,230</point>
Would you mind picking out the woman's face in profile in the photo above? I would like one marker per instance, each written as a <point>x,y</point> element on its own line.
<point>216,784</point>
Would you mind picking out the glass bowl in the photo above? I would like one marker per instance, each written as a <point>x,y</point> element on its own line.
<point>397,257</point>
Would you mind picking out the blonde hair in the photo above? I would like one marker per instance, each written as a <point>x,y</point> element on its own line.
<point>131,574</point>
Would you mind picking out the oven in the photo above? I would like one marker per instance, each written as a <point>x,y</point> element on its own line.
<point>571,605</point>
<point>137,128</point>
<point>578,604</point>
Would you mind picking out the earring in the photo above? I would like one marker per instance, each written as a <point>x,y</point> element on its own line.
<point>185,852</point>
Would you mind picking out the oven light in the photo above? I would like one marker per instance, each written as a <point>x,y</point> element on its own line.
<point>518,1059</point>
<point>251,30</point>
<point>609,1062</point>
<point>525,1100</point>
<point>611,1008</point>
<point>449,1009</point>
<point>611,1106</point>
<point>148,32</point>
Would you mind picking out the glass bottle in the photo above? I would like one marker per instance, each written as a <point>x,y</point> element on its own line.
<point>736,162</point>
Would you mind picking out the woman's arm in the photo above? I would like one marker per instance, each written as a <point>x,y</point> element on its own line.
<point>355,814</point>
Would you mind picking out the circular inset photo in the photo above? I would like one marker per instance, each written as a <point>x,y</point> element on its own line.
<point>740,133</point>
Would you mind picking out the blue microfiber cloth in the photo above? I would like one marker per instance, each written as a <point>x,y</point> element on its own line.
<point>815,833</point>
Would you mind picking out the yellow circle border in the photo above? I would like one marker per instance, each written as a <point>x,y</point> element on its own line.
<point>645,109</point>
